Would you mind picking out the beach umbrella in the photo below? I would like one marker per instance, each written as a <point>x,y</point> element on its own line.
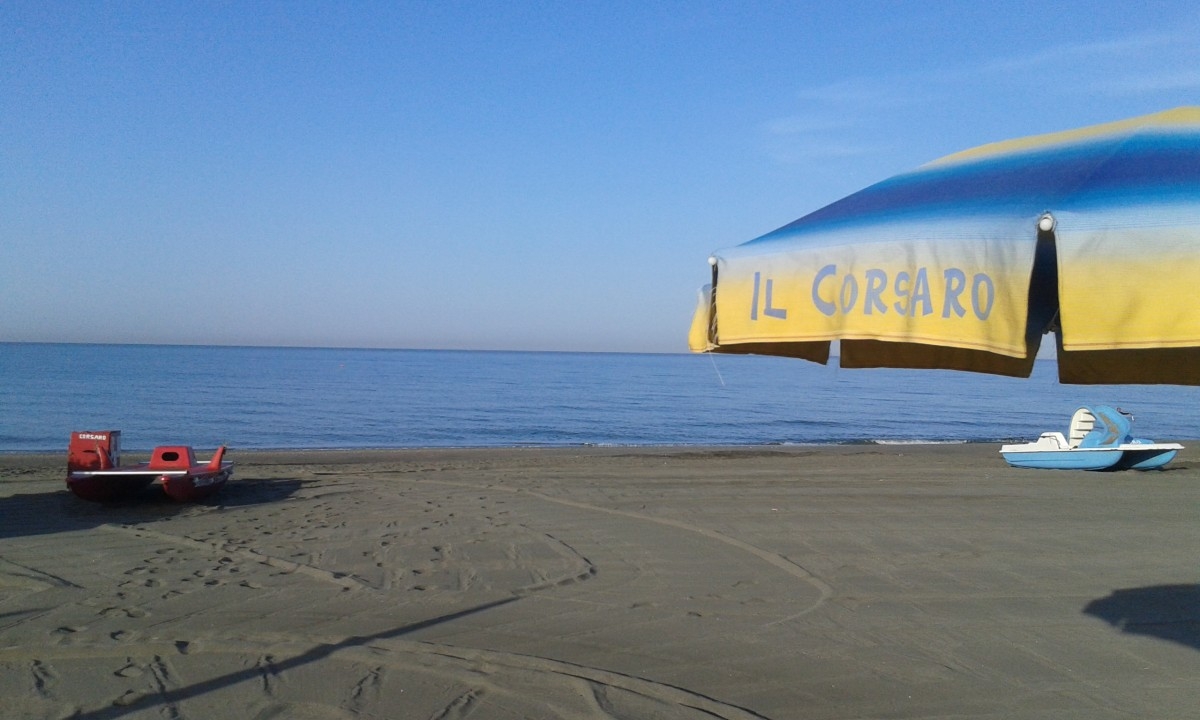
<point>964,263</point>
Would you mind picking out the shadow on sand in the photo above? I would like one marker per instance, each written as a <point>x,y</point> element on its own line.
<point>1166,612</point>
<point>56,511</point>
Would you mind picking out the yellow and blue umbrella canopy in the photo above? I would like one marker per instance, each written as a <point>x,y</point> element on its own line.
<point>966,262</point>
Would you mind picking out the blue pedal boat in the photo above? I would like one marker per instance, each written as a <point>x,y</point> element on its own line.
<point>1099,439</point>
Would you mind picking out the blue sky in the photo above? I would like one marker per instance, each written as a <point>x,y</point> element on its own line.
<point>493,175</point>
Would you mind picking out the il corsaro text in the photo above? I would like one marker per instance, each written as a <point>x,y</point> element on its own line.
<point>873,292</point>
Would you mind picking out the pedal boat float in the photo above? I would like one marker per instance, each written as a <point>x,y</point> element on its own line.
<point>1099,440</point>
<point>94,471</point>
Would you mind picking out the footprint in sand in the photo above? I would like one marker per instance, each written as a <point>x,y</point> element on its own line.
<point>166,556</point>
<point>148,582</point>
<point>125,612</point>
<point>44,678</point>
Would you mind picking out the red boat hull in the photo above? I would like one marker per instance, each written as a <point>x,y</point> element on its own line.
<point>108,488</point>
<point>192,488</point>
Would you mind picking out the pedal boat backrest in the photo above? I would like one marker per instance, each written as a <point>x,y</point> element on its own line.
<point>1082,423</point>
<point>1108,427</point>
<point>172,457</point>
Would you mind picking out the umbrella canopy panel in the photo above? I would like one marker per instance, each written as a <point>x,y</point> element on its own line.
<point>966,262</point>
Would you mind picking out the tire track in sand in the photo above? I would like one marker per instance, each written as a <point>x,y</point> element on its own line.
<point>779,562</point>
<point>480,673</point>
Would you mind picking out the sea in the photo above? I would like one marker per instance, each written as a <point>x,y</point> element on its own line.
<point>310,398</point>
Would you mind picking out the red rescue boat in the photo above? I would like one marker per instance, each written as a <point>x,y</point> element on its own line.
<point>94,470</point>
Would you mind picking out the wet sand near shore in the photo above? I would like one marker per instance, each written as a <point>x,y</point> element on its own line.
<point>832,582</point>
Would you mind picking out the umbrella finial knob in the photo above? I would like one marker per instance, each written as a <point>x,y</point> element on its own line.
<point>712,260</point>
<point>1046,222</point>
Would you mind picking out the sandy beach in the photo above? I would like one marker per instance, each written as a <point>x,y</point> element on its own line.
<point>833,582</point>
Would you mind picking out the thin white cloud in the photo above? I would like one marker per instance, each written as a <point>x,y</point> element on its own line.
<point>1139,65</point>
<point>803,125</point>
<point>837,119</point>
<point>1138,84</point>
<point>808,149</point>
<point>853,92</point>
<point>1089,53</point>
<point>802,138</point>
<point>831,124</point>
